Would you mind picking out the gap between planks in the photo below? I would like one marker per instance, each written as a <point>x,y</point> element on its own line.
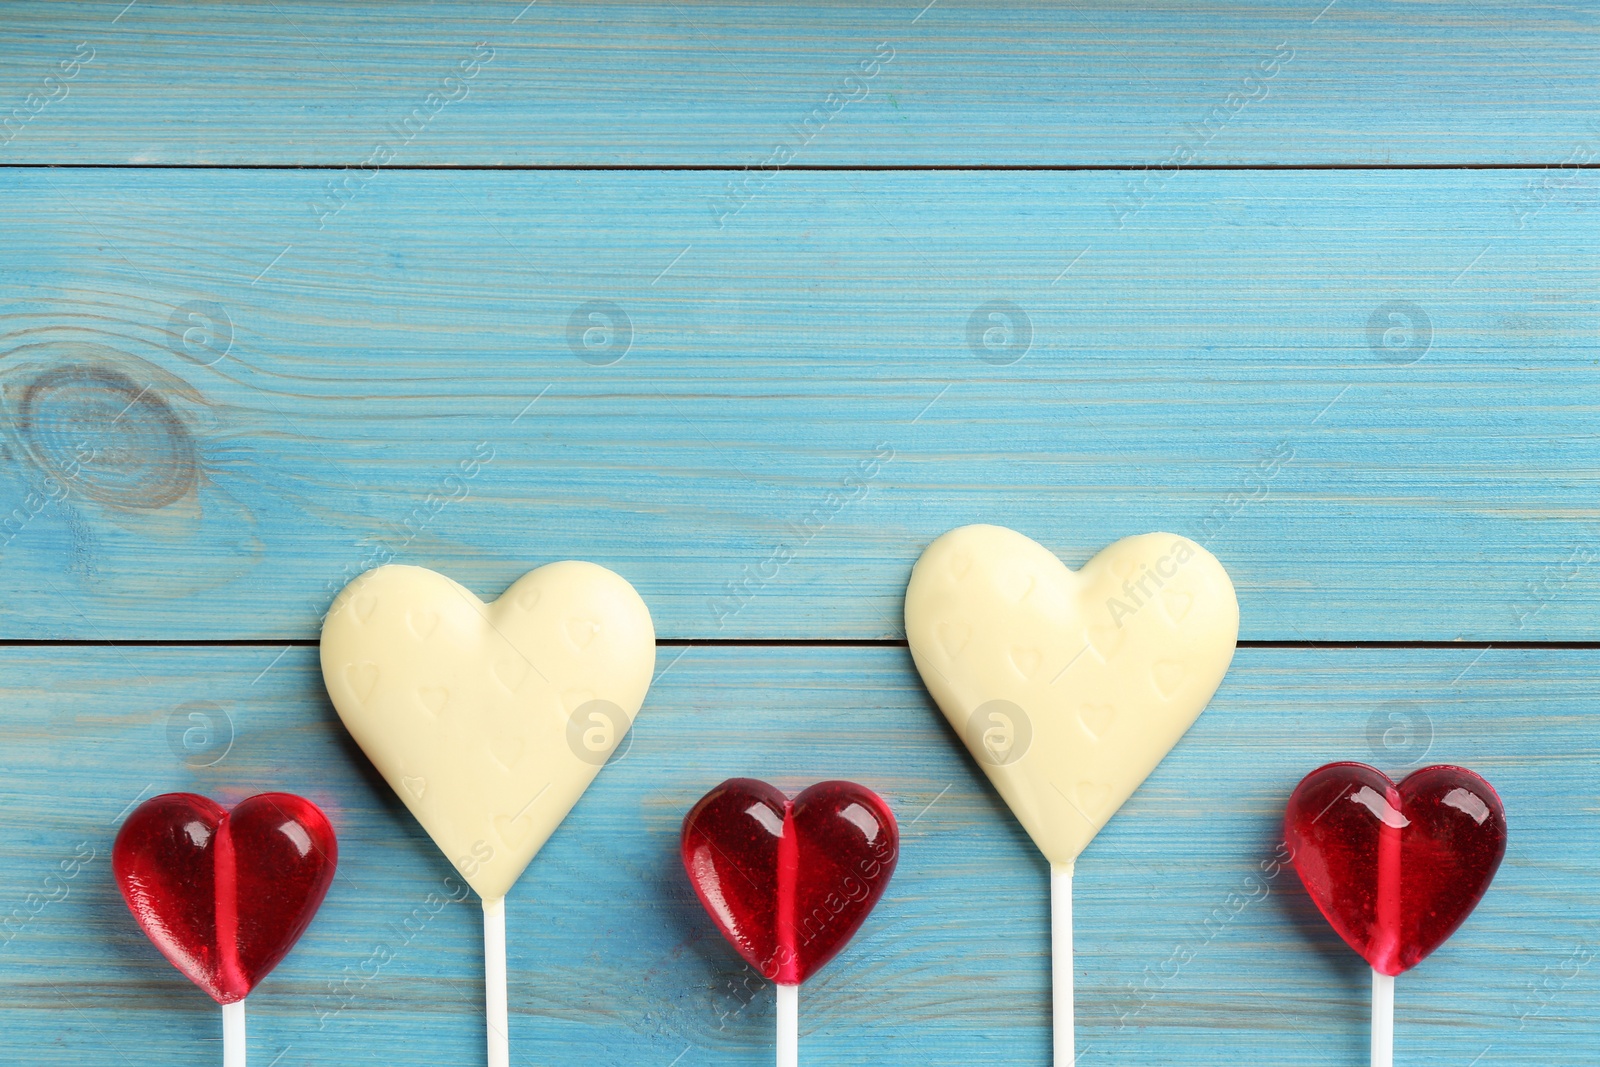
<point>1049,168</point>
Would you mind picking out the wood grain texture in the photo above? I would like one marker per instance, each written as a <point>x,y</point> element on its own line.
<point>225,392</point>
<point>612,961</point>
<point>239,411</point>
<point>967,83</point>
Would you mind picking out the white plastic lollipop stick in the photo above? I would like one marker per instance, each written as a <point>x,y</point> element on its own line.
<point>494,981</point>
<point>1061,961</point>
<point>233,1034</point>
<point>1388,916</point>
<point>788,1026</point>
<point>1382,1019</point>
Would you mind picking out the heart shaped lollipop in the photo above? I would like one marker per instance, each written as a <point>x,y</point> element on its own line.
<point>788,883</point>
<point>1395,869</point>
<point>1068,687</point>
<point>489,720</point>
<point>225,894</point>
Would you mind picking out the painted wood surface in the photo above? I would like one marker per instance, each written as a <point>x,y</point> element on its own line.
<point>1370,393</point>
<point>612,961</point>
<point>943,83</point>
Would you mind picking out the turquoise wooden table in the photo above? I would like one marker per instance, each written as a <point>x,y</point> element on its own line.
<point>291,289</point>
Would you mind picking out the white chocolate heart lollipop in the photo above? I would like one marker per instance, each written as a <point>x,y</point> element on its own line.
<point>489,720</point>
<point>1068,687</point>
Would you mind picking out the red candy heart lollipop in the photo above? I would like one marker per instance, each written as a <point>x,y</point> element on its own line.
<point>224,895</point>
<point>789,882</point>
<point>1395,869</point>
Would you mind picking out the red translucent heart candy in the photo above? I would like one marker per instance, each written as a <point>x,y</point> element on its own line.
<point>789,882</point>
<point>225,894</point>
<point>1395,869</point>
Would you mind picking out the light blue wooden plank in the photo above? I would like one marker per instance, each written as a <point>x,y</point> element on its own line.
<point>409,381</point>
<point>964,83</point>
<point>613,963</point>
